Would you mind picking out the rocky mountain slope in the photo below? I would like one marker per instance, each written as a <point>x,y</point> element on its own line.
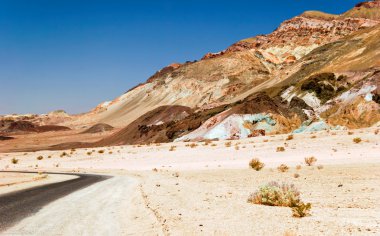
<point>315,71</point>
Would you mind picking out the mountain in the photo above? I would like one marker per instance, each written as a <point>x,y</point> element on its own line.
<point>315,71</point>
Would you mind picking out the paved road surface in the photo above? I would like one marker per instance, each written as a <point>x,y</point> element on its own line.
<point>16,206</point>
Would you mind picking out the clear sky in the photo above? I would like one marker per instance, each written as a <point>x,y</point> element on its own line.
<point>74,54</point>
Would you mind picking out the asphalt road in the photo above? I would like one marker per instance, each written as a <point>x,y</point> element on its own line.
<point>18,205</point>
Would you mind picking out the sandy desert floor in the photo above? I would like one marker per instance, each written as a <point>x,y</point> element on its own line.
<point>176,189</point>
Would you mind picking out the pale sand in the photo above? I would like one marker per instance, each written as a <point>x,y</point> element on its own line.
<point>210,195</point>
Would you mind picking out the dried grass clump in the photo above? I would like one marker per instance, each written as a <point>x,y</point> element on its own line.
<point>237,147</point>
<point>172,148</point>
<point>298,167</point>
<point>40,158</point>
<point>357,140</point>
<point>313,136</point>
<point>283,195</point>
<point>350,133</point>
<point>256,164</point>
<point>14,160</point>
<point>193,145</point>
<point>296,175</point>
<point>280,149</point>
<point>283,168</point>
<point>290,137</point>
<point>227,144</point>
<point>101,151</point>
<point>310,160</point>
<point>63,154</point>
<point>89,153</point>
<point>320,167</point>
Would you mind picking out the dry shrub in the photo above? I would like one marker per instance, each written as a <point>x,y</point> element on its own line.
<point>14,160</point>
<point>314,136</point>
<point>213,145</point>
<point>320,167</point>
<point>40,158</point>
<point>89,153</point>
<point>110,152</point>
<point>283,168</point>
<point>280,149</point>
<point>227,144</point>
<point>301,209</point>
<point>256,164</point>
<point>310,160</point>
<point>172,148</point>
<point>265,140</point>
<point>290,137</point>
<point>237,147</point>
<point>283,195</point>
<point>350,133</point>
<point>63,154</point>
<point>377,131</point>
<point>357,140</point>
<point>101,151</point>
<point>296,175</point>
<point>193,145</point>
<point>49,156</point>
<point>298,167</point>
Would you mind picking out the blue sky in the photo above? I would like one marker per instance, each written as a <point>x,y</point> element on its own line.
<point>74,54</point>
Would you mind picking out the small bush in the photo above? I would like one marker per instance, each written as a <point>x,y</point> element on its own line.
<point>49,156</point>
<point>350,133</point>
<point>275,194</point>
<point>63,154</point>
<point>284,195</point>
<point>227,144</point>
<point>296,175</point>
<point>357,140</point>
<point>310,160</point>
<point>172,148</point>
<point>193,145</point>
<point>280,149</point>
<point>101,151</point>
<point>301,209</point>
<point>237,147</point>
<point>213,145</point>
<point>283,168</point>
<point>290,137</point>
<point>89,153</point>
<point>40,158</point>
<point>320,167</point>
<point>298,167</point>
<point>256,164</point>
<point>14,160</point>
<point>313,136</point>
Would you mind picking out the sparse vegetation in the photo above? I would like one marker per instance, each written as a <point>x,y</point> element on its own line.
<point>63,154</point>
<point>14,160</point>
<point>357,140</point>
<point>310,160</point>
<point>283,195</point>
<point>301,209</point>
<point>40,158</point>
<point>283,168</point>
<point>280,149</point>
<point>290,137</point>
<point>256,164</point>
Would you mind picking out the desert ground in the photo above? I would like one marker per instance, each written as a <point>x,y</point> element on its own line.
<point>202,188</point>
